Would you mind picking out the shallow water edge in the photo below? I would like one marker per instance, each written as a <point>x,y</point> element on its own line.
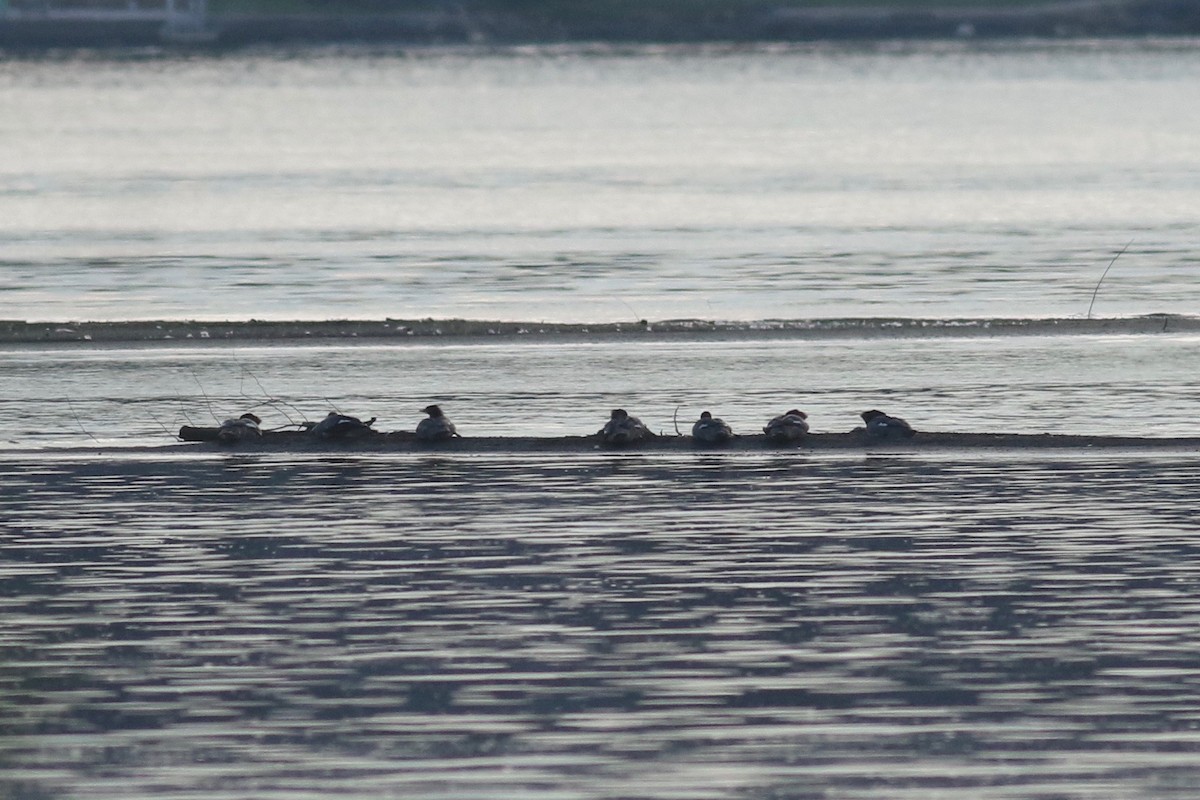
<point>132,331</point>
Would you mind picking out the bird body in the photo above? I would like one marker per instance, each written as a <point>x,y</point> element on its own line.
<point>244,427</point>
<point>622,429</point>
<point>882,426</point>
<point>787,428</point>
<point>711,430</point>
<point>437,427</point>
<point>341,426</point>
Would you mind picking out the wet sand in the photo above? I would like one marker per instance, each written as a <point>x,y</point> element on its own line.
<point>175,332</point>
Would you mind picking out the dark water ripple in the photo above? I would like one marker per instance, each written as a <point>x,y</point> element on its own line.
<point>600,627</point>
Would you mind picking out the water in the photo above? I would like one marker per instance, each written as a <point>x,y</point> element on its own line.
<point>581,186</point>
<point>604,626</point>
<point>594,625</point>
<point>140,396</point>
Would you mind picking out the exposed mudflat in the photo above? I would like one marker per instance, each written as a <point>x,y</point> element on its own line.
<point>175,331</point>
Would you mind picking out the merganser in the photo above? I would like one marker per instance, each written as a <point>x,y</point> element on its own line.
<point>622,429</point>
<point>787,428</point>
<point>711,430</point>
<point>233,431</point>
<point>437,427</point>
<point>341,426</point>
<point>881,426</point>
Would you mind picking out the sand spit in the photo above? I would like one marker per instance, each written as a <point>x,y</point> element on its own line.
<point>404,441</point>
<point>507,24</point>
<point>177,332</point>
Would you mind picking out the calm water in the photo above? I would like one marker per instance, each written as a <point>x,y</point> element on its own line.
<point>918,181</point>
<point>600,626</point>
<point>137,396</point>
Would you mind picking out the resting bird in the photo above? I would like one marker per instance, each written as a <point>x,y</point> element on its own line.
<point>881,426</point>
<point>787,428</point>
<point>623,429</point>
<point>711,430</point>
<point>437,427</point>
<point>340,426</point>
<point>233,431</point>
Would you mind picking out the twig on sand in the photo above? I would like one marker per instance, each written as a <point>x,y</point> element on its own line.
<point>183,411</point>
<point>162,425</point>
<point>271,402</point>
<point>675,420</point>
<point>79,422</point>
<point>637,318</point>
<point>1096,291</point>
<point>207,401</point>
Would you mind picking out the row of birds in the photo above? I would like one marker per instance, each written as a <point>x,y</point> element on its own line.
<point>791,426</point>
<point>622,428</point>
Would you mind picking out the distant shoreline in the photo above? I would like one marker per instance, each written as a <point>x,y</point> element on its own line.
<point>267,331</point>
<point>1076,19</point>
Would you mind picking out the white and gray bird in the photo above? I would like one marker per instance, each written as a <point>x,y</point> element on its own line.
<point>787,428</point>
<point>882,426</point>
<point>623,429</point>
<point>437,427</point>
<point>711,430</point>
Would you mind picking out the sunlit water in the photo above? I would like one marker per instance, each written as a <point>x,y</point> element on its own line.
<point>600,627</point>
<point>965,180</point>
<point>593,626</point>
<point>125,396</point>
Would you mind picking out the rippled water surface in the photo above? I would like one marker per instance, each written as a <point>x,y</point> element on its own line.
<point>88,396</point>
<point>600,626</point>
<point>182,623</point>
<point>927,180</point>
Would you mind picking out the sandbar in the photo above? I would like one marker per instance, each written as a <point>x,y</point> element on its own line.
<point>180,332</point>
<point>405,441</point>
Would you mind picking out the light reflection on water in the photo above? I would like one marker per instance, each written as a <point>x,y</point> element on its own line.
<point>1098,385</point>
<point>600,626</point>
<point>970,180</point>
